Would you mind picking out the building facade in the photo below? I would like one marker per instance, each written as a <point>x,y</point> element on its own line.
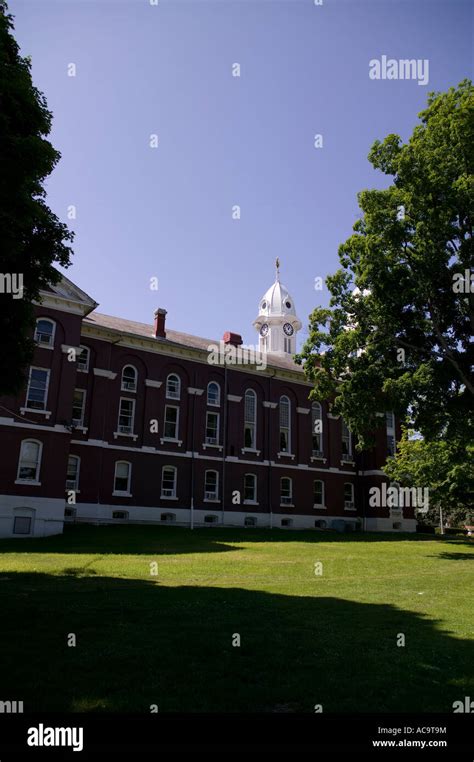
<point>124,422</point>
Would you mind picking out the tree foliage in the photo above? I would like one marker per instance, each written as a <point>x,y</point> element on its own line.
<point>397,332</point>
<point>32,237</point>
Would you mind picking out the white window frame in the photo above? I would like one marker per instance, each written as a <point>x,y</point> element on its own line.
<point>173,395</point>
<point>121,492</point>
<point>349,505</point>
<point>80,423</point>
<point>285,400</point>
<point>211,496</point>
<point>248,422</point>
<point>46,389</point>
<point>132,419</point>
<point>346,436</point>
<point>124,388</point>
<point>214,404</point>
<point>45,345</point>
<point>171,496</point>
<point>213,440</point>
<point>322,504</point>
<point>22,480</point>
<point>87,364</point>
<point>284,498</point>
<point>166,438</point>
<point>254,499</point>
<point>75,486</point>
<point>317,415</point>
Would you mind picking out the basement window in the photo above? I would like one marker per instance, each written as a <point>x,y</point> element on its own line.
<point>168,517</point>
<point>287,522</point>
<point>250,521</point>
<point>211,519</point>
<point>22,525</point>
<point>120,515</point>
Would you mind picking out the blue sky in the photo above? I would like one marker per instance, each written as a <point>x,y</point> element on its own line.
<point>166,212</point>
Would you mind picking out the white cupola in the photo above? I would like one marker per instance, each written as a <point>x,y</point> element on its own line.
<point>277,323</point>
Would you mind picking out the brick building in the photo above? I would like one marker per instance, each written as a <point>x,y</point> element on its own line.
<point>129,422</point>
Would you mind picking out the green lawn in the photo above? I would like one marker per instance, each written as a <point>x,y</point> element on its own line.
<point>306,639</point>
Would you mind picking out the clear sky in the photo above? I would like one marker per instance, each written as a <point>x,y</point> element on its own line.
<point>166,69</point>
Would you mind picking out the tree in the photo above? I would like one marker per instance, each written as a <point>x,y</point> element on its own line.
<point>32,237</point>
<point>397,333</point>
<point>446,467</point>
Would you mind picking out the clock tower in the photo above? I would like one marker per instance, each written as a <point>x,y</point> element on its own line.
<point>277,323</point>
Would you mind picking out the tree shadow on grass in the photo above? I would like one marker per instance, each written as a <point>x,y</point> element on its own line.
<point>139,643</point>
<point>166,540</point>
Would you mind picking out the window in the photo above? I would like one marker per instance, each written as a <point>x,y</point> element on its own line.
<point>397,525</point>
<point>346,442</point>
<point>287,345</point>
<point>78,407</point>
<point>318,493</point>
<point>349,496</point>
<point>173,387</point>
<point>320,524</point>
<point>390,426</point>
<point>317,429</point>
<point>285,491</point>
<point>250,521</point>
<point>213,393</point>
<point>168,517</point>
<point>211,488</point>
<point>211,519</point>
<point>72,477</point>
<point>285,444</point>
<point>168,481</point>
<point>123,515</point>
<point>250,488</point>
<point>69,513</point>
<point>170,430</point>
<point>286,522</point>
<point>44,332</point>
<point>22,525</point>
<point>250,419</point>
<point>37,391</point>
<point>212,428</point>
<point>126,416</point>
<point>30,459</point>
<point>129,379</point>
<point>123,471</point>
<point>83,359</point>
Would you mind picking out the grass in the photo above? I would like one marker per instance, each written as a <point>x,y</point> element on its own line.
<point>305,639</point>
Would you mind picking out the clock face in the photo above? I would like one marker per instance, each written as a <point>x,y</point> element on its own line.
<point>264,329</point>
<point>288,329</point>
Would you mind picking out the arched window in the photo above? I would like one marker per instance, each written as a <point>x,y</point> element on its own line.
<point>317,429</point>
<point>349,504</point>
<point>346,442</point>
<point>168,481</point>
<point>173,387</point>
<point>72,476</point>
<point>318,493</point>
<point>390,426</point>
<point>250,488</point>
<point>285,432</point>
<point>123,472</point>
<point>29,461</point>
<point>44,332</point>
<point>213,393</point>
<point>211,485</point>
<point>250,419</point>
<point>286,491</point>
<point>129,379</point>
<point>83,359</point>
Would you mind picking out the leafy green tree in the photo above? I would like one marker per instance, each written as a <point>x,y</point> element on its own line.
<point>446,467</point>
<point>397,333</point>
<point>32,238</point>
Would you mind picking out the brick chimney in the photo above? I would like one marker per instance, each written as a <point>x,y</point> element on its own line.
<point>159,327</point>
<point>232,338</point>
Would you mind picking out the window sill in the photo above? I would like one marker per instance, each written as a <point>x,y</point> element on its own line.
<point>208,500</point>
<point>167,497</point>
<point>251,450</point>
<point>286,505</point>
<point>73,489</point>
<point>44,346</point>
<point>318,458</point>
<point>82,429</point>
<point>250,502</point>
<point>128,391</point>
<point>347,463</point>
<point>179,442</point>
<point>116,493</point>
<point>29,482</point>
<point>128,436</point>
<point>319,507</point>
<point>215,446</point>
<point>37,411</point>
<point>350,510</point>
<point>285,455</point>
<point>83,370</point>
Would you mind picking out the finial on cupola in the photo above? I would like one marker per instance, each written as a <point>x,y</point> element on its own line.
<point>277,265</point>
